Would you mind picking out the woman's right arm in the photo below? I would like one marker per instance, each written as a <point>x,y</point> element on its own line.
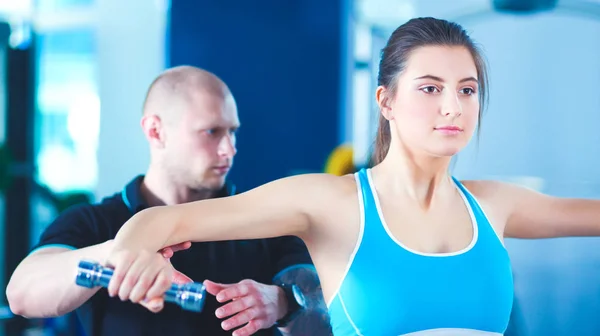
<point>279,208</point>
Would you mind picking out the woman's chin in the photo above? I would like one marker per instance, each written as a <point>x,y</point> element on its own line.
<point>446,151</point>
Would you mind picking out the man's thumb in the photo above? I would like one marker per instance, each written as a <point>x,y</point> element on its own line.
<point>213,287</point>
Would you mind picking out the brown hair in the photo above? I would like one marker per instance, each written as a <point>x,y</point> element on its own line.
<point>415,33</point>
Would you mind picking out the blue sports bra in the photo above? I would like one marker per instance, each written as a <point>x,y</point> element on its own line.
<point>391,290</point>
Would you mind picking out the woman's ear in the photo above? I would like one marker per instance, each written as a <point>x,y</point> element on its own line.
<point>384,101</point>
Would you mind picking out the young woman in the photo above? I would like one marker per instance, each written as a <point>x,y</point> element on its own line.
<point>402,248</point>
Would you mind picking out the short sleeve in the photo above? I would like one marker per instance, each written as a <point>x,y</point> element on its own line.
<point>288,251</point>
<point>74,228</point>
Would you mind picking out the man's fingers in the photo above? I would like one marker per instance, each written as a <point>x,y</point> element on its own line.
<point>214,288</point>
<point>233,292</point>
<point>181,246</point>
<point>240,319</point>
<point>169,251</point>
<point>250,328</point>
<point>235,307</point>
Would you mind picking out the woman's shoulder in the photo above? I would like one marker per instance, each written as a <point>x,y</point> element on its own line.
<point>323,183</point>
<point>492,190</point>
<point>498,197</point>
<point>306,189</point>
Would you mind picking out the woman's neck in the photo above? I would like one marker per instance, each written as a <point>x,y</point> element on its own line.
<point>418,176</point>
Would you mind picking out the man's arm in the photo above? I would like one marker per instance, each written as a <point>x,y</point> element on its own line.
<point>314,318</point>
<point>43,285</point>
<point>294,266</point>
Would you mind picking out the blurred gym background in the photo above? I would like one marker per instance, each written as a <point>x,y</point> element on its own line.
<point>73,74</point>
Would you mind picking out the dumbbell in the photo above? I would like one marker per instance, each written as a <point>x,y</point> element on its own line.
<point>189,296</point>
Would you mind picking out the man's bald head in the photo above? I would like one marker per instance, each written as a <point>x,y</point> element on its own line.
<point>190,120</point>
<point>177,87</point>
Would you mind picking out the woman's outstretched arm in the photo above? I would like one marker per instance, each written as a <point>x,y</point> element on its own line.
<point>279,208</point>
<point>531,215</point>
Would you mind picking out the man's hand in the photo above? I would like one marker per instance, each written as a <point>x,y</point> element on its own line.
<point>256,305</point>
<point>156,304</point>
<point>168,252</point>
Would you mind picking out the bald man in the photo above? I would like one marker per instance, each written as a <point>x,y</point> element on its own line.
<point>190,121</point>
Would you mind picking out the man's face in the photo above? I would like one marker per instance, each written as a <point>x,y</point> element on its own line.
<point>200,145</point>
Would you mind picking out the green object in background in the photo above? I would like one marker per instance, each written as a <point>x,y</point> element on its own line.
<point>63,201</point>
<point>73,198</point>
<point>8,169</point>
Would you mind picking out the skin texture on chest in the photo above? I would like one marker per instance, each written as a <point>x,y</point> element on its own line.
<point>443,228</point>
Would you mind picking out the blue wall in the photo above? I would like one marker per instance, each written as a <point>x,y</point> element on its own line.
<point>282,60</point>
<point>541,131</point>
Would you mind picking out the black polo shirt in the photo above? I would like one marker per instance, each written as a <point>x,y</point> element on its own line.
<point>223,262</point>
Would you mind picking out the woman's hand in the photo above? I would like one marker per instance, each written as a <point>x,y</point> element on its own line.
<point>156,304</point>
<point>139,275</point>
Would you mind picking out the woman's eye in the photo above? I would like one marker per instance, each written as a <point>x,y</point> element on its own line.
<point>467,91</point>
<point>430,89</point>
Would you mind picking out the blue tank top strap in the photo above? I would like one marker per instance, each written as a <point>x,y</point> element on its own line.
<point>373,227</point>
<point>367,196</point>
<point>486,230</point>
<point>470,198</point>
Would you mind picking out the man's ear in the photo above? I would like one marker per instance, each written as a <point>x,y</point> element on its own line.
<point>384,101</point>
<point>153,129</point>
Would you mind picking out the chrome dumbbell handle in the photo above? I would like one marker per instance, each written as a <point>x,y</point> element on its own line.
<point>189,296</point>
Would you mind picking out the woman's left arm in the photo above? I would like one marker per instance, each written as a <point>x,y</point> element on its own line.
<point>531,214</point>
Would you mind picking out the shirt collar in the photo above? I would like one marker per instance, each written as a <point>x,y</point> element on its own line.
<point>135,202</point>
